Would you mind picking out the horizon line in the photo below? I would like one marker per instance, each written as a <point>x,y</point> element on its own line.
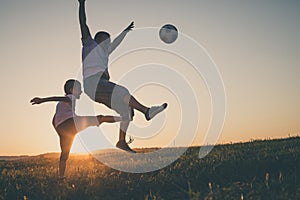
<point>192,146</point>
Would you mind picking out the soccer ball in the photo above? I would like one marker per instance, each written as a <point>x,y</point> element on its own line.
<point>168,33</point>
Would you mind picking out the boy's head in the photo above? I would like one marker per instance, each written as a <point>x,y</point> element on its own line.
<point>102,38</point>
<point>73,87</point>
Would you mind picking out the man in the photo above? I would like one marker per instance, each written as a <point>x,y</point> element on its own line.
<point>95,55</point>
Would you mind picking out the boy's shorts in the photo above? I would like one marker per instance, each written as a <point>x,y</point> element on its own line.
<point>73,125</point>
<point>68,129</point>
<point>110,94</point>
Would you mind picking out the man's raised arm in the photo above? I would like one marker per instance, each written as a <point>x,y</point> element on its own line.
<point>120,37</point>
<point>85,32</point>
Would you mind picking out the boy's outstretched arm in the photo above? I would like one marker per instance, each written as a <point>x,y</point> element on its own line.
<point>38,100</point>
<point>120,37</point>
<point>85,32</point>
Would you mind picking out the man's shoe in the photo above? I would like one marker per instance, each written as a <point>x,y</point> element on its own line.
<point>124,146</point>
<point>154,110</point>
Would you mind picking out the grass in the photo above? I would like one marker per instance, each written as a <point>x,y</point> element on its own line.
<point>254,170</point>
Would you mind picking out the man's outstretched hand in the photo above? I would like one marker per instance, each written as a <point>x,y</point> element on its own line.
<point>130,27</point>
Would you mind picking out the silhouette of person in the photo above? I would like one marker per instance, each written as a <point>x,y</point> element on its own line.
<point>95,56</point>
<point>66,123</point>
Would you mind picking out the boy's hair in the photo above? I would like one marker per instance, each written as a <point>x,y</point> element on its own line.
<point>70,84</point>
<point>101,36</point>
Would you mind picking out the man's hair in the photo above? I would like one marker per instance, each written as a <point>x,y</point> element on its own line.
<point>70,84</point>
<point>101,36</point>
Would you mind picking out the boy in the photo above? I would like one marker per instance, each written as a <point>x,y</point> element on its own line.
<point>95,54</point>
<point>66,123</point>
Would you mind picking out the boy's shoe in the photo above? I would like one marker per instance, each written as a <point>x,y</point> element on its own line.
<point>154,110</point>
<point>124,146</point>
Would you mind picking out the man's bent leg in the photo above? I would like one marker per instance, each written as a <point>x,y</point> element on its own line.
<point>148,112</point>
<point>123,130</point>
<point>122,137</point>
<point>129,99</point>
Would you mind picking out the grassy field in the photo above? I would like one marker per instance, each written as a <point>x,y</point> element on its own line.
<point>266,169</point>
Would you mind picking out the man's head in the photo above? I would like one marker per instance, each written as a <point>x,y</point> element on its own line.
<point>102,38</point>
<point>73,87</point>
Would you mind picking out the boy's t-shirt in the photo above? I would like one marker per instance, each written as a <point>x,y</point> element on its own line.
<point>94,58</point>
<point>65,110</point>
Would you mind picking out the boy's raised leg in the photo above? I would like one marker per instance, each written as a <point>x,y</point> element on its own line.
<point>108,119</point>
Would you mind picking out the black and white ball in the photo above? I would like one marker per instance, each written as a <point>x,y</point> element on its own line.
<point>168,33</point>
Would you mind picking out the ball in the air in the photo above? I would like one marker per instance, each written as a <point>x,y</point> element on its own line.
<point>168,33</point>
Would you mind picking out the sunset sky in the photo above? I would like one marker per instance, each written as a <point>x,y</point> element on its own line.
<point>254,44</point>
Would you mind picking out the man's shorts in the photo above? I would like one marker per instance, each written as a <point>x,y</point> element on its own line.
<point>110,94</point>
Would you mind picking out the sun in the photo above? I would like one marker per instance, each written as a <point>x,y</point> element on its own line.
<point>77,146</point>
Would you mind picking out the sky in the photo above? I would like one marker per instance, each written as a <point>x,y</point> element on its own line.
<point>254,44</point>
